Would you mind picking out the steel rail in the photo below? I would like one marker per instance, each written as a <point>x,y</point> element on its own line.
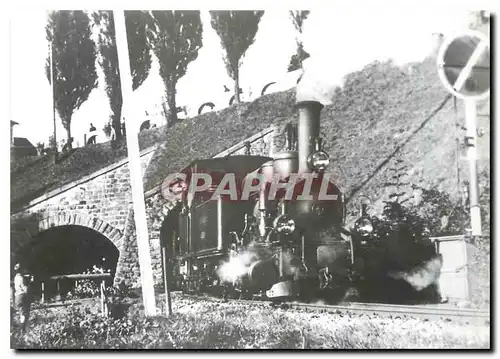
<point>445,312</point>
<point>428,312</point>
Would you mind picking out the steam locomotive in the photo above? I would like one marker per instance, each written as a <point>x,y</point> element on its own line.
<point>284,239</point>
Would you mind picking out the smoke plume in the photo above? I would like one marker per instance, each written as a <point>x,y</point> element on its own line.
<point>423,275</point>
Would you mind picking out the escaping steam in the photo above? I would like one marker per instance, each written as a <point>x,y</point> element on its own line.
<point>423,275</point>
<point>237,267</point>
<point>239,263</point>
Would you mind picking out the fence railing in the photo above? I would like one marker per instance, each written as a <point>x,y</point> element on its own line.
<point>76,277</point>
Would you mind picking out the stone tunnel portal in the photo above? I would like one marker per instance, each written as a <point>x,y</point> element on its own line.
<point>68,249</point>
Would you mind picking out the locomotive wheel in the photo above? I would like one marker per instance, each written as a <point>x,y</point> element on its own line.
<point>308,289</point>
<point>333,295</point>
<point>351,295</point>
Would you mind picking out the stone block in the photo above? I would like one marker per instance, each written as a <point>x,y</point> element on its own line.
<point>97,224</point>
<point>115,235</point>
<point>104,224</point>
<point>89,222</point>
<point>101,227</point>
<point>118,242</point>
<point>107,232</point>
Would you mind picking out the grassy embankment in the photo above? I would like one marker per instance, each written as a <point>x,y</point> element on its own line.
<point>216,325</point>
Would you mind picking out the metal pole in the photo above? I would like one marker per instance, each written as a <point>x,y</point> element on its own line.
<point>42,300</point>
<point>52,94</point>
<point>135,167</point>
<point>470,124</point>
<point>166,276</point>
<point>219,224</point>
<point>281,262</point>
<point>58,295</point>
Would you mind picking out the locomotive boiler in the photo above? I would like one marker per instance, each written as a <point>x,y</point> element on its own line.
<point>269,227</point>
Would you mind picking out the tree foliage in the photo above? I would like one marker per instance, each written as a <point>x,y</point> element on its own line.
<point>237,30</point>
<point>74,55</point>
<point>297,59</point>
<point>138,24</point>
<point>108,60</point>
<point>298,17</point>
<point>177,38</point>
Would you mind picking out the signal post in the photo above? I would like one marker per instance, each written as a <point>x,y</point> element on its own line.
<point>464,68</point>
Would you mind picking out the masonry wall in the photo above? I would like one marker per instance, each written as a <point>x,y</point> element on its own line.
<point>106,197</point>
<point>103,201</point>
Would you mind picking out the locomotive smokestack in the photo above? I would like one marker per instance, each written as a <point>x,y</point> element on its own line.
<point>308,131</point>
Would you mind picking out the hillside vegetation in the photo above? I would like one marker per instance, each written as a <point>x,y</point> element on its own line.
<point>383,112</point>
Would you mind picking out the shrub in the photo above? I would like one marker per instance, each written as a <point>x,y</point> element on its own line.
<point>86,288</point>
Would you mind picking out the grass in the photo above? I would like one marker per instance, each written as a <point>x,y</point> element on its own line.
<point>216,325</point>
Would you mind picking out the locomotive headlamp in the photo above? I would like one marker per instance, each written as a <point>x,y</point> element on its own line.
<point>284,224</point>
<point>318,160</point>
<point>363,226</point>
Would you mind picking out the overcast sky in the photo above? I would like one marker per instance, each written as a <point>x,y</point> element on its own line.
<point>340,40</point>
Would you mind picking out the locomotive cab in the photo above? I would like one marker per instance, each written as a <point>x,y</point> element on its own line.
<point>209,218</point>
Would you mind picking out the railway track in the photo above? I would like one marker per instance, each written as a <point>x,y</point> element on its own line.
<point>425,312</point>
<point>443,312</point>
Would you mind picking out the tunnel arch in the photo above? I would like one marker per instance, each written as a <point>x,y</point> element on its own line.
<point>68,249</point>
<point>81,219</point>
<point>26,232</point>
<point>24,227</point>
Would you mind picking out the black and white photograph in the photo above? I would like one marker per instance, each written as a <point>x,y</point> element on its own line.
<point>273,178</point>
